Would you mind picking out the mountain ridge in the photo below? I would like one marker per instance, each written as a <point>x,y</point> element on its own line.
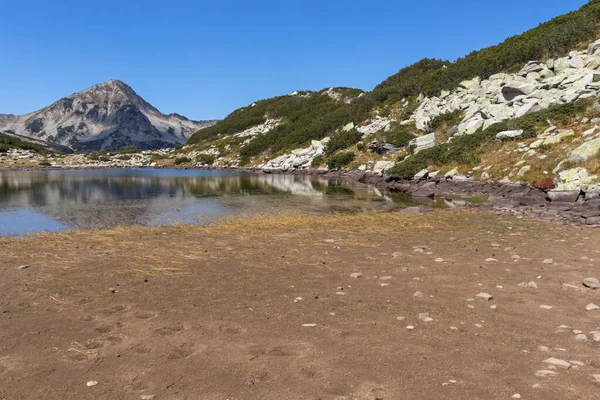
<point>106,116</point>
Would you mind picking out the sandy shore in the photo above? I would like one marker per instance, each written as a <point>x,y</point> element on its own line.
<point>266,308</point>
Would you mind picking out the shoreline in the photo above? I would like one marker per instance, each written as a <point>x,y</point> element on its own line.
<point>520,199</point>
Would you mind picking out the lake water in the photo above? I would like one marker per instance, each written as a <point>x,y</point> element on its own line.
<point>53,201</point>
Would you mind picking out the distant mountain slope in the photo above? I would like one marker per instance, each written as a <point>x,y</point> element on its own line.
<point>106,116</point>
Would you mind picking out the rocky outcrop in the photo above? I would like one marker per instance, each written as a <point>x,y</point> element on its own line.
<point>106,116</point>
<point>503,96</point>
<point>422,143</point>
<point>297,159</point>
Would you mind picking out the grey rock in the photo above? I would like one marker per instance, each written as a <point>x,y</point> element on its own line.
<point>509,134</point>
<point>484,296</point>
<point>558,363</point>
<point>422,143</point>
<point>591,283</point>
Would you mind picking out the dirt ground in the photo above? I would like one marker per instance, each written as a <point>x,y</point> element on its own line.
<point>219,312</point>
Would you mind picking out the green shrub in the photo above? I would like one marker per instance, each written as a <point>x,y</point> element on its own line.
<point>182,160</point>
<point>342,140</point>
<point>124,157</point>
<point>128,150</point>
<point>400,135</point>
<point>10,142</point>
<point>448,119</point>
<point>340,160</point>
<point>44,163</point>
<point>361,147</point>
<point>317,161</point>
<point>206,159</point>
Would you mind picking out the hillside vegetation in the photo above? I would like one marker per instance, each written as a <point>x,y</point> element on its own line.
<point>10,142</point>
<point>306,116</point>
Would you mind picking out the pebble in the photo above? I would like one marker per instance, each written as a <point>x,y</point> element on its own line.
<point>491,260</point>
<point>531,285</point>
<point>493,307</point>
<point>24,266</point>
<point>596,378</point>
<point>595,336</point>
<point>515,257</point>
<point>356,275</point>
<point>147,397</point>
<point>400,318</point>
<point>479,325</point>
<point>484,296</point>
<point>558,363</point>
<point>577,363</point>
<point>563,329</point>
<point>297,299</point>
<point>309,325</point>
<point>544,373</point>
<point>536,386</point>
<point>385,278</point>
<point>581,338</point>
<point>410,327</point>
<point>453,328</point>
<point>577,331</point>
<point>546,307</point>
<point>548,261</point>
<point>591,283</point>
<point>495,245</point>
<point>471,306</point>
<point>543,348</point>
<point>439,260</point>
<point>424,315</point>
<point>340,293</point>
<point>592,307</point>
<point>418,294</point>
<point>516,396</point>
<point>91,383</point>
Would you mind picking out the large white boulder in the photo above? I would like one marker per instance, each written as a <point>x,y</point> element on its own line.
<point>422,142</point>
<point>585,151</point>
<point>509,134</point>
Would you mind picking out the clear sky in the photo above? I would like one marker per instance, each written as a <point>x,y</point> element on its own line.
<point>203,59</point>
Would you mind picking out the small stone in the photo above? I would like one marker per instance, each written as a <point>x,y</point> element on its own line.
<point>453,328</point>
<point>424,315</point>
<point>418,294</point>
<point>532,285</point>
<point>147,397</point>
<point>400,318</point>
<point>595,336</point>
<point>491,260</point>
<point>479,326</point>
<point>557,363</point>
<point>24,266</point>
<point>592,307</point>
<point>410,327</point>
<point>439,260</point>
<point>427,319</point>
<point>536,386</point>
<point>543,348</point>
<point>309,325</point>
<point>577,331</point>
<point>577,363</point>
<point>581,338</point>
<point>516,396</point>
<point>340,293</point>
<point>493,307</point>
<point>563,329</point>
<point>591,283</point>
<point>470,306</point>
<point>385,278</point>
<point>548,261</point>
<point>544,373</point>
<point>91,383</point>
<point>484,296</point>
<point>356,275</point>
<point>545,307</point>
<point>596,377</point>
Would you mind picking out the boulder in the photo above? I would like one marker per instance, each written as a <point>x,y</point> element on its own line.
<point>568,196</point>
<point>532,66</point>
<point>573,179</point>
<point>383,148</point>
<point>558,136</point>
<point>422,142</point>
<point>382,166</point>
<point>423,192</point>
<point>421,174</point>
<point>514,89</point>
<point>585,151</point>
<point>348,127</point>
<point>509,134</point>
<point>593,47</point>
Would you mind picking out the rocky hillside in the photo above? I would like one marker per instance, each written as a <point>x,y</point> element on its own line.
<point>106,116</point>
<point>532,96</point>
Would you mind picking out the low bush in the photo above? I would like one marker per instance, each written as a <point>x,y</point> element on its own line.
<point>182,160</point>
<point>400,136</point>
<point>128,150</point>
<point>205,159</point>
<point>340,160</point>
<point>317,161</point>
<point>342,140</point>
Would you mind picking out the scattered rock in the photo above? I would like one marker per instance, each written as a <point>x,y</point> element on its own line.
<point>546,307</point>
<point>558,363</point>
<point>418,294</point>
<point>592,307</point>
<point>91,383</point>
<point>484,296</point>
<point>544,373</point>
<point>591,283</point>
<point>581,338</point>
<point>548,261</point>
<point>356,275</point>
<point>24,266</point>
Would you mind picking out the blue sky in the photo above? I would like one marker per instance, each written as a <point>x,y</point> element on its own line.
<point>203,59</point>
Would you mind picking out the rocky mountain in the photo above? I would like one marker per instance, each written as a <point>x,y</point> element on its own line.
<point>107,116</point>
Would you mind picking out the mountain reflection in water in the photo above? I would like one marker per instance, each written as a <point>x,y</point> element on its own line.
<point>33,201</point>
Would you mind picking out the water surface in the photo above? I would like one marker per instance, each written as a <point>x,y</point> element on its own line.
<point>35,201</point>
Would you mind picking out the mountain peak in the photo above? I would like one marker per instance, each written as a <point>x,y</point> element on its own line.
<point>107,116</point>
